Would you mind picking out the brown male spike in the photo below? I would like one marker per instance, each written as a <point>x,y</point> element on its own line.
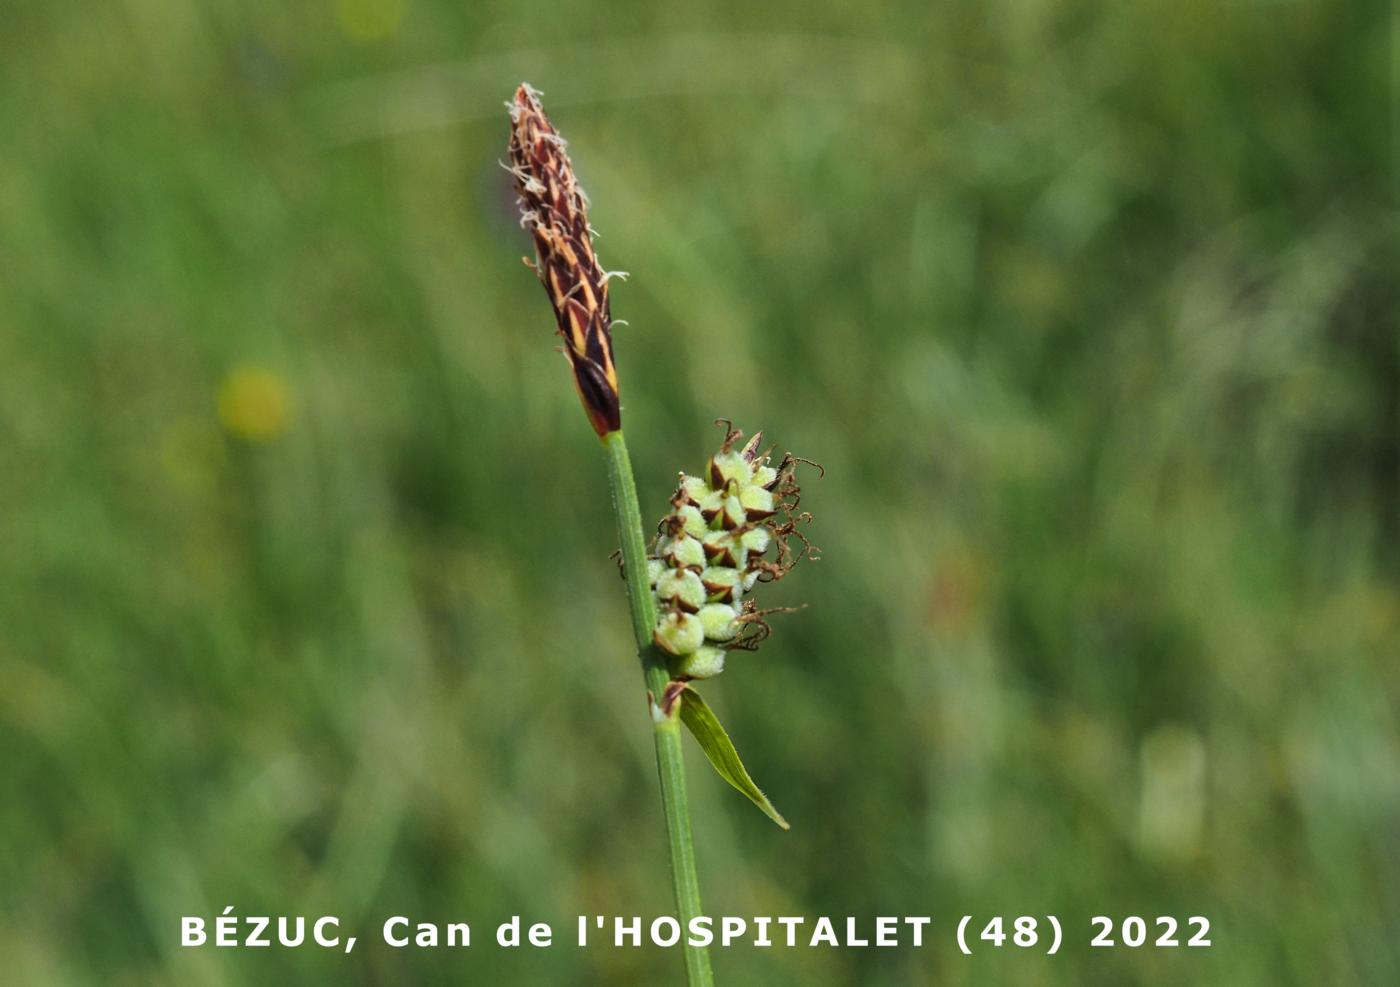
<point>554,209</point>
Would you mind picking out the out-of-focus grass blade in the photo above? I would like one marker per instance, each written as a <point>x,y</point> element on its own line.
<point>705,727</point>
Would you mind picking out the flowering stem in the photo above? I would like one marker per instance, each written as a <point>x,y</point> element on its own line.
<point>670,766</point>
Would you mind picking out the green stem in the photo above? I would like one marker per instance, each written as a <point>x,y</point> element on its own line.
<point>667,729</point>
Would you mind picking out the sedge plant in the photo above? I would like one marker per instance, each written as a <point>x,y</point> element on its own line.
<point>729,528</point>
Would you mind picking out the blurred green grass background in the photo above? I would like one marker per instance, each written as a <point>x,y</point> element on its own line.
<point>1088,309</point>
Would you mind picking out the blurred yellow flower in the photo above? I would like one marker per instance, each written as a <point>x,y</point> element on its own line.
<point>370,20</point>
<point>254,404</point>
